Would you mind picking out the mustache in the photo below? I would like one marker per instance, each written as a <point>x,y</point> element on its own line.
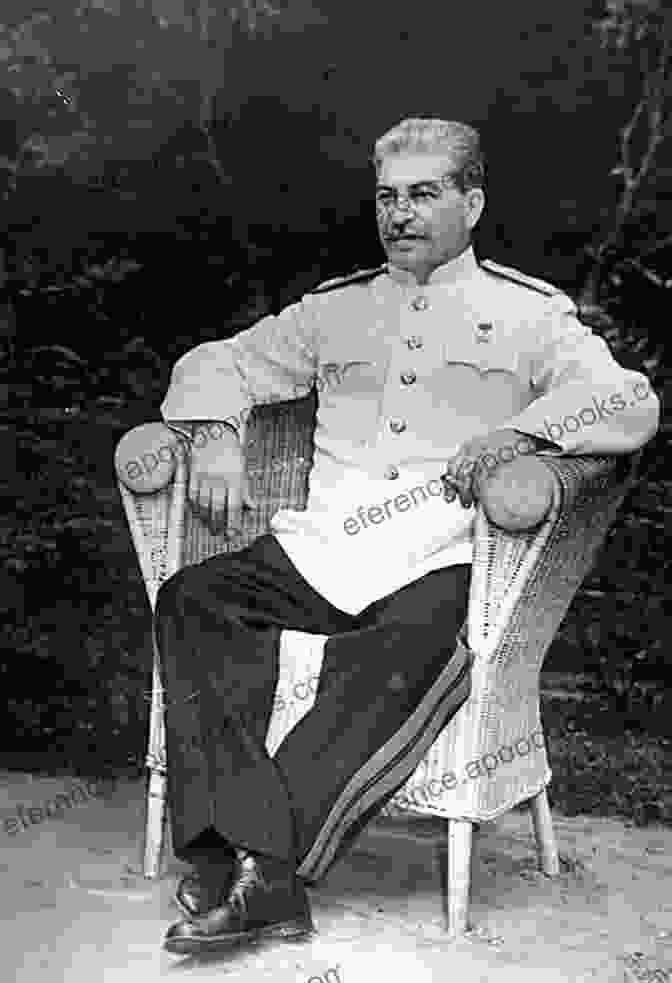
<point>394,236</point>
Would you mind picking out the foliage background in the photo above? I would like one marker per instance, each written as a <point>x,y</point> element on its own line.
<point>173,169</point>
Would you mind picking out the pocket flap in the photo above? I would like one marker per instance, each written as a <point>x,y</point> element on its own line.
<point>483,356</point>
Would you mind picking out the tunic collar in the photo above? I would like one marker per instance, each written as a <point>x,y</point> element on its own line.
<point>455,269</point>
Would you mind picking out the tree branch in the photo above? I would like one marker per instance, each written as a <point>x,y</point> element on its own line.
<point>626,140</point>
<point>648,274</point>
<point>656,246</point>
<point>202,12</point>
<point>651,103</point>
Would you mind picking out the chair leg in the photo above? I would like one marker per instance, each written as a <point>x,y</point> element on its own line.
<point>460,835</point>
<point>156,790</point>
<point>544,835</point>
<point>154,830</point>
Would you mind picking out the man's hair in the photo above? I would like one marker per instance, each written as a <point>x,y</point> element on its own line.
<point>457,140</point>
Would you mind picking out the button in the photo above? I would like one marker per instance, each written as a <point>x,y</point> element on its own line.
<point>391,472</point>
<point>419,303</point>
<point>408,378</point>
<point>415,341</point>
<point>397,426</point>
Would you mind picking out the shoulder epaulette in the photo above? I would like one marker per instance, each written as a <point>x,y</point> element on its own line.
<point>359,276</point>
<point>515,276</point>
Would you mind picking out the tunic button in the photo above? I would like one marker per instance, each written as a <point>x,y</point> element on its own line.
<point>391,472</point>
<point>419,303</point>
<point>408,378</point>
<point>397,426</point>
<point>415,341</point>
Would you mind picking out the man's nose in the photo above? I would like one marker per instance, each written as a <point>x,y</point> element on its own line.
<point>403,207</point>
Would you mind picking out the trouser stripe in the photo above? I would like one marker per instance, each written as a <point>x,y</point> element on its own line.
<point>391,763</point>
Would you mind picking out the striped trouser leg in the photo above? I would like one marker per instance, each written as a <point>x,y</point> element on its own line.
<point>385,692</point>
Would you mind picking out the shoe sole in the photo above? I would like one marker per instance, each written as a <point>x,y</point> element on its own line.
<point>289,931</point>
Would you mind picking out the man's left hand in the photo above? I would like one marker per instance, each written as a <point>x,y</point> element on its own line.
<point>477,459</point>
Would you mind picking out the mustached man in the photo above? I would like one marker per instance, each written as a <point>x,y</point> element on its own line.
<point>421,367</point>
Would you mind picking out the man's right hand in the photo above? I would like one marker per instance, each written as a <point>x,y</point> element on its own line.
<point>217,480</point>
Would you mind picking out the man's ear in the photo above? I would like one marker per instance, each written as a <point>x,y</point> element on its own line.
<point>474,205</point>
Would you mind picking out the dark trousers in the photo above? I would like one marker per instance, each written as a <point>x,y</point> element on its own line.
<point>391,678</point>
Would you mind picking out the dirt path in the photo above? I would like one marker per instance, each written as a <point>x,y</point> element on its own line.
<point>74,909</point>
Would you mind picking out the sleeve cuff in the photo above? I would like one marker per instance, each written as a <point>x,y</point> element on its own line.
<point>542,443</point>
<point>189,430</point>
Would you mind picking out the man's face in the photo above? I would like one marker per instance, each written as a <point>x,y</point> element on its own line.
<point>423,218</point>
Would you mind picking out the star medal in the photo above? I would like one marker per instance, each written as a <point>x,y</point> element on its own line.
<point>484,331</point>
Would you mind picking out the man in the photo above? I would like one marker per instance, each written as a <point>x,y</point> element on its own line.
<point>426,368</point>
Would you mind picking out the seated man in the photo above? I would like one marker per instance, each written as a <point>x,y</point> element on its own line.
<point>431,371</point>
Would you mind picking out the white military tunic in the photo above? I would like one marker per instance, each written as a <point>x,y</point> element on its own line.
<point>405,374</point>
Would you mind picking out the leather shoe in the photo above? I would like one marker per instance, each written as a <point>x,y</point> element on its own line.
<point>208,884</point>
<point>266,901</point>
<point>195,896</point>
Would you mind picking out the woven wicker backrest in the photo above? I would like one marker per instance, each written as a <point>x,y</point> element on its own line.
<point>279,455</point>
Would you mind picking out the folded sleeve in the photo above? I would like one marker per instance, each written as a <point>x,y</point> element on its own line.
<point>272,361</point>
<point>586,402</point>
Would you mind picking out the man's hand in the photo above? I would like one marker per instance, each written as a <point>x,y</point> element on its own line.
<point>217,480</point>
<point>478,459</point>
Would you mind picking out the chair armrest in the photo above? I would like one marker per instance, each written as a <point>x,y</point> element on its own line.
<point>583,481</point>
<point>167,535</point>
<point>522,585</point>
<point>145,457</point>
<point>523,582</point>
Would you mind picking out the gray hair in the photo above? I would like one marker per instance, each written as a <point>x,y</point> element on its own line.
<point>457,140</point>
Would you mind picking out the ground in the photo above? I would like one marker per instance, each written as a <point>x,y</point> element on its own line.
<point>77,909</point>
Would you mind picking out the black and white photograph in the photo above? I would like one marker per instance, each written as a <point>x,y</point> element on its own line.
<point>334,415</point>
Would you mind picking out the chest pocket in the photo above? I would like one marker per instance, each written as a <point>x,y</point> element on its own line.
<point>481,357</point>
<point>358,372</point>
<point>484,380</point>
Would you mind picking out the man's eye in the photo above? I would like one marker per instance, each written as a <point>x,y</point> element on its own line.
<point>425,195</point>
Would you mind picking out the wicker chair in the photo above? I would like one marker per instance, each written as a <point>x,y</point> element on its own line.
<point>491,756</point>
